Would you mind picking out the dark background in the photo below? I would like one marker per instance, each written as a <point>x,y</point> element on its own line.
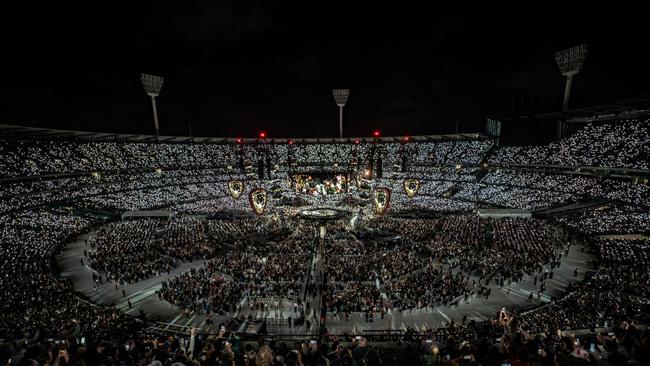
<point>234,68</point>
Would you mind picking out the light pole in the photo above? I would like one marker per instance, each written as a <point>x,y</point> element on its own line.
<point>341,97</point>
<point>570,61</point>
<point>152,85</point>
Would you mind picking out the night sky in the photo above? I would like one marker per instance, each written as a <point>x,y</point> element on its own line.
<point>234,68</point>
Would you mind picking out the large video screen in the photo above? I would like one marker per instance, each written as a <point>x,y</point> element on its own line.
<point>320,183</point>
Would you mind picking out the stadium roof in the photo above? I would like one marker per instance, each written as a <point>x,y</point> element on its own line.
<point>640,102</point>
<point>23,131</point>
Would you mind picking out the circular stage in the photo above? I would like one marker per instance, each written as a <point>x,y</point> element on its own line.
<point>321,213</point>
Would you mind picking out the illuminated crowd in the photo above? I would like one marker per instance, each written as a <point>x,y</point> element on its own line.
<point>55,189</point>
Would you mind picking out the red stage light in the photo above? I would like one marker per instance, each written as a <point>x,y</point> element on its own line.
<point>357,141</point>
<point>262,135</point>
<point>407,138</point>
<point>290,142</point>
<point>239,141</point>
<point>376,133</point>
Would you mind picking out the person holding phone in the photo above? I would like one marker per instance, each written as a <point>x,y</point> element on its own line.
<point>63,357</point>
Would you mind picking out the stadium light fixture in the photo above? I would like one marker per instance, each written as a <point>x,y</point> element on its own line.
<point>341,97</point>
<point>570,62</point>
<point>152,85</point>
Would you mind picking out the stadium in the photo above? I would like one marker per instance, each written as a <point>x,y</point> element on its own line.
<point>460,248</point>
<point>426,236</point>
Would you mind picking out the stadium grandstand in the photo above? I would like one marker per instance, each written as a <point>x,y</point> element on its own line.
<point>419,249</point>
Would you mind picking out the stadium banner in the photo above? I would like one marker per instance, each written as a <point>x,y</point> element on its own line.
<point>236,188</point>
<point>411,186</point>
<point>257,199</point>
<point>381,198</point>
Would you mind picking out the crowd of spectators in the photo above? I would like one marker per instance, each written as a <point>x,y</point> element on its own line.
<point>615,293</point>
<point>200,290</point>
<point>27,156</point>
<point>235,278</point>
<point>380,266</point>
<point>131,251</point>
<point>38,305</point>
<point>259,234</point>
<point>199,186</point>
<point>427,289</point>
<point>186,238</point>
<point>341,299</point>
<point>618,144</point>
<point>611,220</point>
<point>127,252</point>
<point>255,270</point>
<point>50,188</point>
<point>507,248</point>
<point>501,340</point>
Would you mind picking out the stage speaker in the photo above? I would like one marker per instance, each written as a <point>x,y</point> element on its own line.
<point>242,168</point>
<point>379,169</point>
<point>260,169</point>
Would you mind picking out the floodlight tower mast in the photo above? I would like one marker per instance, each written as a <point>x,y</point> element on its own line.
<point>152,85</point>
<point>341,97</point>
<point>570,61</point>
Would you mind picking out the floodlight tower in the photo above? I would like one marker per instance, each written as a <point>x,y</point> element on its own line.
<point>341,97</point>
<point>152,85</point>
<point>570,61</point>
